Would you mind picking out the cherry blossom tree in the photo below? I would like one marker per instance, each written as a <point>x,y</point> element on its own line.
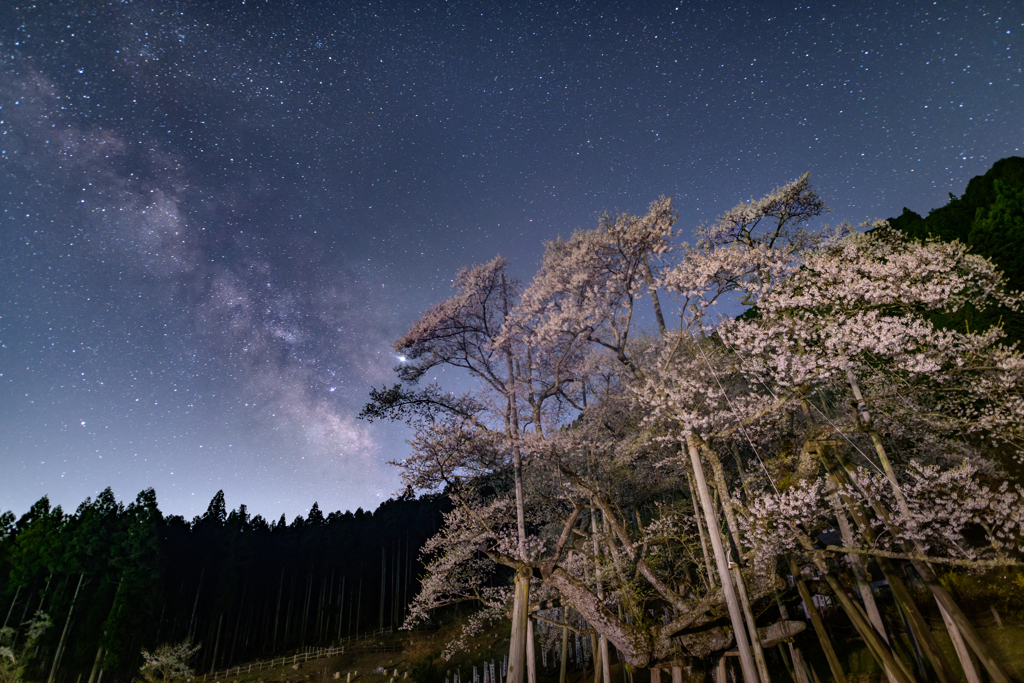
<point>521,386</point>
<point>579,462</point>
<point>168,663</point>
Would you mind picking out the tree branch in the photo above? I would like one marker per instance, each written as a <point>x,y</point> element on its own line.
<point>952,561</point>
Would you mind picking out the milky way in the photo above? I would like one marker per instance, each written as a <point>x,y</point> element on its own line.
<point>216,218</point>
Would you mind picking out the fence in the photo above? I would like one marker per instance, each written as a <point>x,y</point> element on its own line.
<point>304,656</point>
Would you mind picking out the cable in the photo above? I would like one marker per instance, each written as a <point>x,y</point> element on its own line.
<point>742,429</point>
<point>831,424</point>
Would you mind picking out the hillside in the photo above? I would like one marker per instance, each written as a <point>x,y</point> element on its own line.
<point>989,218</point>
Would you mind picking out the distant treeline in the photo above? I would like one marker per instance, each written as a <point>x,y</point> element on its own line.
<point>116,578</point>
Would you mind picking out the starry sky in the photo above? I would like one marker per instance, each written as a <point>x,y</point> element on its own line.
<point>216,217</point>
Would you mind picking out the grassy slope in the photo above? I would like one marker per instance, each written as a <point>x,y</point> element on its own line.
<point>424,646</point>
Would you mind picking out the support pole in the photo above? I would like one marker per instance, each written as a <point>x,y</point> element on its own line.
<point>818,624</point>
<point>531,654</point>
<point>747,665</point>
<point>954,618</point>
<point>960,647</point>
<point>565,647</point>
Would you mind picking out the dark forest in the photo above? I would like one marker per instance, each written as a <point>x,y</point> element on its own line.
<point>116,578</point>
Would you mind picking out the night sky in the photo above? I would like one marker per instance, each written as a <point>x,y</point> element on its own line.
<point>216,217</point>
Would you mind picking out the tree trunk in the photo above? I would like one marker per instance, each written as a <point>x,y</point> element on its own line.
<point>305,607</point>
<point>21,621</point>
<point>96,664</point>
<point>318,631</point>
<point>238,621</point>
<point>64,634</point>
<point>605,661</point>
<point>794,661</point>
<point>383,584</point>
<point>601,649</point>
<point>13,603</point>
<point>951,610</point>
<point>520,609</point>
<point>925,638</point>
<point>408,571</point>
<point>359,603</point>
<point>517,644</point>
<point>249,644</point>
<point>860,575</point>
<point>627,675</point>
<point>288,609</point>
<point>796,657</point>
<point>748,614</point>
<point>878,647</point>
<point>396,606</point>
<point>341,606</point>
<point>720,673</point>
<point>277,614</point>
<point>944,599</point>
<point>325,607</point>
<point>195,605</point>
<point>216,644</point>
<point>655,302</point>
<point>961,649</point>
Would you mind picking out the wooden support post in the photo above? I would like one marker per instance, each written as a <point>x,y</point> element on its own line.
<point>960,647</point>
<point>565,648</point>
<point>819,626</point>
<point>750,673</point>
<point>531,654</point>
<point>720,676</point>
<point>951,612</point>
